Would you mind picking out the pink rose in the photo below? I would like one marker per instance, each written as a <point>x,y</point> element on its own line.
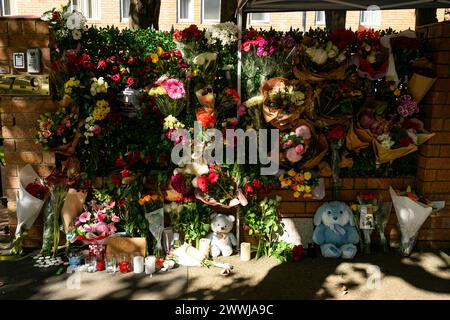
<point>293,156</point>
<point>115,218</point>
<point>304,132</point>
<point>100,216</point>
<point>299,149</point>
<point>287,144</point>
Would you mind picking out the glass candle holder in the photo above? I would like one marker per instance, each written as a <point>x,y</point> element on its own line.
<point>111,264</point>
<point>124,264</point>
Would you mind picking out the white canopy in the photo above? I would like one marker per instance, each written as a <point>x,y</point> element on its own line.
<point>314,5</point>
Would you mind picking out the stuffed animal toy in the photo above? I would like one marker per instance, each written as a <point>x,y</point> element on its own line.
<point>335,230</point>
<point>221,238</point>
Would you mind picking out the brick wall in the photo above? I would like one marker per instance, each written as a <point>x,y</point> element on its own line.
<point>19,114</point>
<point>110,15</point>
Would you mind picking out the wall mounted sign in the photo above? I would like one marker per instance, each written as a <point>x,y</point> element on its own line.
<point>33,60</point>
<point>24,85</point>
<point>19,60</point>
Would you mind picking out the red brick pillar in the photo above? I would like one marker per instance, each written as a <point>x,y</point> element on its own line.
<point>19,113</point>
<point>434,159</point>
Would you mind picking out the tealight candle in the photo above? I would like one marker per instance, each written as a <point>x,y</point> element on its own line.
<point>245,251</point>
<point>204,246</point>
<point>150,264</point>
<point>138,264</point>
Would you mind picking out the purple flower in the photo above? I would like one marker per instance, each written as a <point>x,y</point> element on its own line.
<point>260,52</point>
<point>242,110</point>
<point>406,106</point>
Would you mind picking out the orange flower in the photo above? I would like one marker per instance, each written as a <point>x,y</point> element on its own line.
<point>206,117</point>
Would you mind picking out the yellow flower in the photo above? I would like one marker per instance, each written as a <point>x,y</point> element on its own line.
<point>291,173</point>
<point>159,51</point>
<point>308,175</point>
<point>288,182</point>
<point>195,73</point>
<point>154,57</point>
<point>308,189</point>
<point>299,177</point>
<point>156,91</point>
<point>301,188</point>
<point>354,207</point>
<point>296,194</point>
<point>393,87</point>
<point>397,92</point>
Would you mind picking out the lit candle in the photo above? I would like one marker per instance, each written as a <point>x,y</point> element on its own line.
<point>150,264</point>
<point>205,246</point>
<point>245,251</point>
<point>138,264</point>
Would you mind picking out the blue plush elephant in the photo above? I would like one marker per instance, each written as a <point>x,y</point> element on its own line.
<point>335,230</point>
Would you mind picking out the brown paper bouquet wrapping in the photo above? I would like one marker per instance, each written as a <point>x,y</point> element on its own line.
<point>277,116</point>
<point>357,138</point>
<point>384,155</point>
<point>302,73</point>
<point>73,205</point>
<point>69,148</point>
<point>418,86</point>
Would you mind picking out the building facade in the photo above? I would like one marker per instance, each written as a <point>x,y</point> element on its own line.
<point>182,13</point>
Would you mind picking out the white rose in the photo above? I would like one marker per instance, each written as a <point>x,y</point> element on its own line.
<point>101,81</point>
<point>310,52</point>
<point>320,56</point>
<point>93,91</point>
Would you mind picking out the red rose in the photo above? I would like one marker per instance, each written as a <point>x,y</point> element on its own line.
<point>233,93</point>
<point>55,15</point>
<point>126,173</point>
<point>342,38</point>
<point>405,141</point>
<point>120,162</point>
<point>202,183</point>
<point>257,184</point>
<point>116,78</point>
<point>115,69</point>
<point>213,177</point>
<point>338,132</point>
<point>124,72</point>
<point>130,82</point>
<point>115,180</point>
<point>248,188</point>
<point>102,64</point>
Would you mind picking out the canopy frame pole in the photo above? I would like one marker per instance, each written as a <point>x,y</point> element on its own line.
<point>239,53</point>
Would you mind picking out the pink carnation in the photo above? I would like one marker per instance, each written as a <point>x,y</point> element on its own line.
<point>174,88</point>
<point>85,216</point>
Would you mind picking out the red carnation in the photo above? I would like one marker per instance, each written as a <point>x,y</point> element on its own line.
<point>202,183</point>
<point>338,132</point>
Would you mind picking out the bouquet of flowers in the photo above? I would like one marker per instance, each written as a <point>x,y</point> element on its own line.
<point>169,94</point>
<point>412,211</point>
<point>187,41</point>
<point>324,54</point>
<point>368,206</point>
<point>37,189</point>
<point>219,187</point>
<point>129,165</point>
<point>336,137</point>
<point>302,183</point>
<point>265,55</point>
<point>95,225</point>
<point>373,57</point>
<point>422,79</point>
<point>57,131</point>
<point>154,214</point>
<point>295,144</point>
<point>284,101</point>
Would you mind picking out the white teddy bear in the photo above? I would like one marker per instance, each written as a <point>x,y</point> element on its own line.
<point>221,238</point>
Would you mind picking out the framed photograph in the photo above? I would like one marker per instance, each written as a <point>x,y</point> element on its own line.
<point>19,60</point>
<point>366,219</point>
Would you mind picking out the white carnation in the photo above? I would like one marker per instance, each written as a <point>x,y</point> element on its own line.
<point>226,33</point>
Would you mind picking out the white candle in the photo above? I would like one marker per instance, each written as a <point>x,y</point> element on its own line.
<point>138,264</point>
<point>205,246</point>
<point>245,251</point>
<point>150,264</point>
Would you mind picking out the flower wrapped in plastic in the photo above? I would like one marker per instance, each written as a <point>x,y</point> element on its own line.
<point>169,94</point>
<point>368,207</point>
<point>187,41</point>
<point>284,101</point>
<point>95,225</point>
<point>373,57</point>
<point>411,214</point>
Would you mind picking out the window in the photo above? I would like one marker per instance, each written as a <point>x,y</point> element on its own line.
<point>259,17</point>
<point>124,10</point>
<point>370,18</point>
<point>90,8</point>
<point>8,7</point>
<point>185,10</point>
<point>320,18</point>
<point>211,10</point>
